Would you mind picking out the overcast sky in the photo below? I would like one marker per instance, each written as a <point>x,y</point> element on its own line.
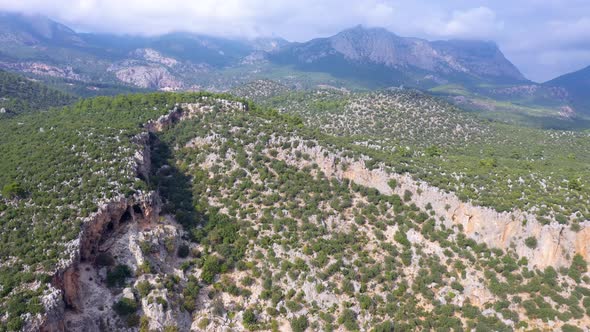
<point>544,38</point>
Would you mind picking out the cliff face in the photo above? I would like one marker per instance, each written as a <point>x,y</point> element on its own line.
<point>97,229</point>
<point>111,219</point>
<point>80,298</point>
<point>557,244</point>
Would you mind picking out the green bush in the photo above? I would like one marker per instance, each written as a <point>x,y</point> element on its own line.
<point>125,306</point>
<point>531,242</point>
<point>117,276</point>
<point>299,324</point>
<point>183,250</point>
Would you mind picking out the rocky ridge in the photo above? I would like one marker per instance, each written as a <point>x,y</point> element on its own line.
<point>557,243</point>
<point>78,298</point>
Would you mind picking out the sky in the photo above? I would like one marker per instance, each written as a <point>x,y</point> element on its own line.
<point>543,38</point>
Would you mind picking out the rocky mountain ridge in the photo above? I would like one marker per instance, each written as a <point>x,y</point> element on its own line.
<point>446,60</point>
<point>358,57</point>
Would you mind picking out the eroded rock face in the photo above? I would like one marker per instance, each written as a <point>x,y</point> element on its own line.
<point>118,227</point>
<point>40,68</point>
<point>96,232</point>
<point>149,76</point>
<point>152,55</point>
<point>557,244</point>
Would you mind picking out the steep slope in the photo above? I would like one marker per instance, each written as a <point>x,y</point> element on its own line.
<point>43,47</point>
<point>577,84</point>
<point>390,59</point>
<point>21,95</point>
<point>494,165</point>
<point>35,30</point>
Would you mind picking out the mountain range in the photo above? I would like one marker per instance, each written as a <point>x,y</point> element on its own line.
<point>473,74</point>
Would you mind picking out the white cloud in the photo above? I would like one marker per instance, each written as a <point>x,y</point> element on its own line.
<point>480,22</point>
<point>294,19</point>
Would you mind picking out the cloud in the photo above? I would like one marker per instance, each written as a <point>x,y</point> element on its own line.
<point>480,22</point>
<point>294,19</point>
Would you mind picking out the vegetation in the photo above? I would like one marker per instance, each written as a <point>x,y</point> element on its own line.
<point>492,164</point>
<point>270,232</point>
<point>21,95</point>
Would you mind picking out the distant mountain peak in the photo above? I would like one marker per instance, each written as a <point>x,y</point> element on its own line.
<point>416,59</point>
<point>34,29</point>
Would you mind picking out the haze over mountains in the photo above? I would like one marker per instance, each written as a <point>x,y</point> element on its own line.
<point>474,74</point>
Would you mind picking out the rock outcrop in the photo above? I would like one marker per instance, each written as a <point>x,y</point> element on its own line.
<point>80,297</point>
<point>149,76</point>
<point>557,243</point>
<point>98,228</point>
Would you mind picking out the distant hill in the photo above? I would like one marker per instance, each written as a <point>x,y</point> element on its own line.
<point>21,95</point>
<point>578,86</point>
<point>472,74</point>
<point>383,58</point>
<point>370,56</point>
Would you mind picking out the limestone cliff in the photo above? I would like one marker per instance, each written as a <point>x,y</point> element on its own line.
<point>557,243</point>
<point>79,297</point>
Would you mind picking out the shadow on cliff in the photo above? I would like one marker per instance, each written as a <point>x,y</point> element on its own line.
<point>173,185</point>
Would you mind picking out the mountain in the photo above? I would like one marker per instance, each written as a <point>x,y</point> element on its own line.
<point>472,74</point>
<point>21,95</point>
<point>385,58</point>
<point>40,46</point>
<point>577,84</point>
<point>374,56</point>
<point>35,31</point>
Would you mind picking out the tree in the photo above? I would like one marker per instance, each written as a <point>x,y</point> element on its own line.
<point>13,190</point>
<point>249,317</point>
<point>125,306</point>
<point>531,242</point>
<point>299,324</point>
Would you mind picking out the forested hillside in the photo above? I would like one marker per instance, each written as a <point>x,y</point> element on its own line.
<point>22,95</point>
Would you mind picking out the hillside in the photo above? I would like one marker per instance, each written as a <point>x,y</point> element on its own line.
<point>431,139</point>
<point>578,85</point>
<point>198,211</point>
<point>21,95</point>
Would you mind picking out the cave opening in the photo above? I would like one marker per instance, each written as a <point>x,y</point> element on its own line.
<point>141,176</point>
<point>125,217</point>
<point>137,209</point>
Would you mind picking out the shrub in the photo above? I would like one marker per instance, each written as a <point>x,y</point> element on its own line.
<point>13,190</point>
<point>116,277</point>
<point>402,238</point>
<point>211,267</point>
<point>249,317</point>
<point>183,250</point>
<point>144,288</point>
<point>531,242</point>
<point>578,267</point>
<point>348,319</point>
<point>125,306</point>
<point>299,324</point>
